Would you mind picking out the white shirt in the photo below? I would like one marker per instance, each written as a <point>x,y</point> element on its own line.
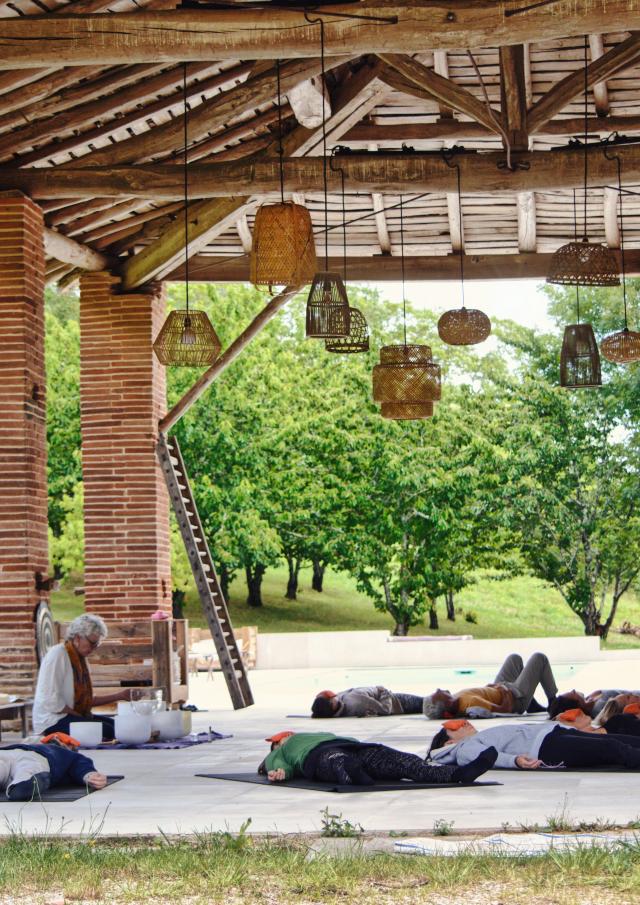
<point>54,690</point>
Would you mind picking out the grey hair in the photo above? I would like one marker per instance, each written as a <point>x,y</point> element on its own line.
<point>86,625</point>
<point>433,710</point>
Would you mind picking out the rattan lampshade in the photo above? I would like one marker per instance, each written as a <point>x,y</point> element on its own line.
<point>283,250</point>
<point>584,264</point>
<point>356,341</point>
<point>406,382</point>
<point>328,312</point>
<point>187,338</point>
<point>579,358</point>
<point>464,327</point>
<point>621,347</point>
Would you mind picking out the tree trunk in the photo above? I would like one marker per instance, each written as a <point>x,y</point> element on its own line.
<point>433,616</point>
<point>292,583</point>
<point>401,629</point>
<point>177,604</point>
<point>254,584</point>
<point>318,574</point>
<point>451,612</point>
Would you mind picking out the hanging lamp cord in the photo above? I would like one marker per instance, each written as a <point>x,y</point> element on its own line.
<point>575,239</point>
<point>186,187</point>
<point>616,157</point>
<point>404,298</point>
<point>586,132</point>
<point>320,22</point>
<point>280,148</point>
<point>344,216</point>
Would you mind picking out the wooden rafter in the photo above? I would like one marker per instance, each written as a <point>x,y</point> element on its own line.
<point>610,214</point>
<point>441,67</point>
<point>526,206</point>
<point>547,170</point>
<point>556,99</point>
<point>68,251</point>
<point>125,38</point>
<point>600,89</point>
<point>388,267</point>
<point>441,89</point>
<point>456,224</point>
<point>513,96</point>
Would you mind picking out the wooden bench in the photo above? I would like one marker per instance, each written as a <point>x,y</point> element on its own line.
<point>141,653</point>
<point>16,710</point>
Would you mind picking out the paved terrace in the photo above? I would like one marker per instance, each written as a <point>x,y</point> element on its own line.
<point>161,792</point>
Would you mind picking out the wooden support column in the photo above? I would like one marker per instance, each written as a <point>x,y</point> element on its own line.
<point>126,508</point>
<point>513,94</point>
<point>23,450</point>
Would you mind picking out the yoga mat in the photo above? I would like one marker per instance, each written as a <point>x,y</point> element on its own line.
<point>258,779</point>
<point>64,793</point>
<point>200,739</point>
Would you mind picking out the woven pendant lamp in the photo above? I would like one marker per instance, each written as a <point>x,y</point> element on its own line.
<point>579,358</point>
<point>187,338</point>
<point>462,326</point>
<point>406,382</point>
<point>283,250</point>
<point>357,339</point>
<point>328,313</point>
<point>622,347</point>
<point>584,263</point>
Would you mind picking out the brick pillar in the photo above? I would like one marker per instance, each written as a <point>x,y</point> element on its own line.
<point>122,396</point>
<point>23,450</point>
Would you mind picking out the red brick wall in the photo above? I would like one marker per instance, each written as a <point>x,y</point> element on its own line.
<point>23,454</point>
<point>126,506</point>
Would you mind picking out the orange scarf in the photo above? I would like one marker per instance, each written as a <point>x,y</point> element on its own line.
<point>82,688</point>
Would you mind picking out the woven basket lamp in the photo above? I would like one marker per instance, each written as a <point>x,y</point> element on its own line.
<point>584,264</point>
<point>579,358</point>
<point>283,252</point>
<point>622,347</point>
<point>356,341</point>
<point>328,311</point>
<point>406,382</point>
<point>187,338</point>
<point>464,327</point>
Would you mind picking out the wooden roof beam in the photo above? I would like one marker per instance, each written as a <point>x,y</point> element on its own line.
<point>456,223</point>
<point>526,206</point>
<point>620,57</point>
<point>600,89</point>
<point>185,35</point>
<point>242,228</point>
<point>68,251</point>
<point>308,100</point>
<point>441,89</point>
<point>548,170</point>
<point>513,96</point>
<point>610,213</point>
<point>388,267</point>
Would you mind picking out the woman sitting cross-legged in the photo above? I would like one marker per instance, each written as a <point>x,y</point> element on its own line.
<point>64,693</point>
<point>325,757</point>
<point>530,746</point>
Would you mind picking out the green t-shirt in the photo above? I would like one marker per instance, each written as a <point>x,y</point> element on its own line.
<point>292,753</point>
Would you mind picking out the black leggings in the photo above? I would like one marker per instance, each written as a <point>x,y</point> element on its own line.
<point>412,703</point>
<point>586,749</point>
<point>369,763</point>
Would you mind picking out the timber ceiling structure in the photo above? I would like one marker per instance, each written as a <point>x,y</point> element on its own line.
<point>91,127</point>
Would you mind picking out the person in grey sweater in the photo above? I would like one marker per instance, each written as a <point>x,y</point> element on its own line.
<point>531,746</point>
<point>370,700</point>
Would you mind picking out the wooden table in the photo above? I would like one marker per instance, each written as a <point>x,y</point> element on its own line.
<point>16,710</point>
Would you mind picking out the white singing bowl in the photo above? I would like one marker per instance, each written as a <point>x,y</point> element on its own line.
<point>169,724</point>
<point>131,729</point>
<point>88,734</point>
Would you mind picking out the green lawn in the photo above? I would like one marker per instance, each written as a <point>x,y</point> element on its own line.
<point>516,608</point>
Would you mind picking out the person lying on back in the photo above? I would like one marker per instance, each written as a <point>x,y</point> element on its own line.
<point>28,771</point>
<point>369,700</point>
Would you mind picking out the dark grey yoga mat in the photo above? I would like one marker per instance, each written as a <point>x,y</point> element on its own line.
<point>64,793</point>
<point>258,779</point>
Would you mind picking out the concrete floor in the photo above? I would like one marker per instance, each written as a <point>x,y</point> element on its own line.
<point>160,791</point>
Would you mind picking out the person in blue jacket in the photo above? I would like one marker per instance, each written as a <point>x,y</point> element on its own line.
<point>27,771</point>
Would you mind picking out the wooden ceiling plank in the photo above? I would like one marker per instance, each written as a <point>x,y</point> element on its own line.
<point>620,57</point>
<point>526,206</point>
<point>441,89</point>
<point>547,170</point>
<point>177,35</point>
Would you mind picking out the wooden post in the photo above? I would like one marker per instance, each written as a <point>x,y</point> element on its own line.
<point>260,320</point>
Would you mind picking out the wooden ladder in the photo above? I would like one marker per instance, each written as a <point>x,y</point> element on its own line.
<point>211,596</point>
